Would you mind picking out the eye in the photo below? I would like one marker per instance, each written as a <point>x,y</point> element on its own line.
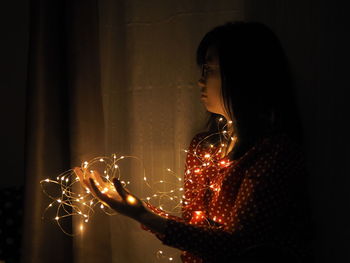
<point>206,69</point>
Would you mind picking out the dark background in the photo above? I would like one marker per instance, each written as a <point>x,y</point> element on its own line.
<point>323,80</point>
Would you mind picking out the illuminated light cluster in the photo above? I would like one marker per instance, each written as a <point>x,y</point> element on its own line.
<point>171,200</point>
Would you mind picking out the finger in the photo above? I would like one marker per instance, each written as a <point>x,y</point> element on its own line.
<point>96,191</point>
<point>120,189</point>
<point>80,175</point>
<point>97,178</point>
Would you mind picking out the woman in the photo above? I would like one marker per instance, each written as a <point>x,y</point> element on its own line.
<point>245,176</point>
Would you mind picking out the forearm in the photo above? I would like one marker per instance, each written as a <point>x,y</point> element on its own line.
<point>153,221</point>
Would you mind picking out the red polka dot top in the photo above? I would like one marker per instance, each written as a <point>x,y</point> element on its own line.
<point>232,208</point>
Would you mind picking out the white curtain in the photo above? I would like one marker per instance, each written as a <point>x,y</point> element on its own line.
<point>150,96</point>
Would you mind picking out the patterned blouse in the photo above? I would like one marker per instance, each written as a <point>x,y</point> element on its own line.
<point>232,208</point>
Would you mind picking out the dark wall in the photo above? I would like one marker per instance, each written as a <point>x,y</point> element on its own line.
<point>13,63</point>
<point>315,34</point>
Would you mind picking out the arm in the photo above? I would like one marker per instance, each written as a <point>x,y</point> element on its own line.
<point>257,214</point>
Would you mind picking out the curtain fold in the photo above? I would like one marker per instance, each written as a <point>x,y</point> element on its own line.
<point>64,125</point>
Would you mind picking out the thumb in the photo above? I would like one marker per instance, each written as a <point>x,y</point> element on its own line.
<point>119,187</point>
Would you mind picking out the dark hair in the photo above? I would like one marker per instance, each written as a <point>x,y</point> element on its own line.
<point>257,86</point>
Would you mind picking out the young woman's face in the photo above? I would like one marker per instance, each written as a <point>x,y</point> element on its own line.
<point>210,84</point>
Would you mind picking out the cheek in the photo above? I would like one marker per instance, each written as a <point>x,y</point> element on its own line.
<point>215,91</point>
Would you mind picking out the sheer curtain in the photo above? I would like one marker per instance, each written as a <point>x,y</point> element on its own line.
<point>65,125</point>
<point>111,77</point>
<point>150,95</point>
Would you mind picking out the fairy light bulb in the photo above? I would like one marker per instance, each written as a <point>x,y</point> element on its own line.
<point>131,200</point>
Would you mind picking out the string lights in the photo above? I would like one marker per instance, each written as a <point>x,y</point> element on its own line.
<point>73,199</point>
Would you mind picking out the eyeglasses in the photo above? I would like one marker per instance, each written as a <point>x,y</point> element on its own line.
<point>209,69</point>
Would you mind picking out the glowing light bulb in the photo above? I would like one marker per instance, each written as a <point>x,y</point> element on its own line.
<point>168,169</point>
<point>47,180</point>
<point>56,218</point>
<point>102,206</point>
<point>131,199</point>
<point>101,160</point>
<point>207,155</point>
<point>59,200</point>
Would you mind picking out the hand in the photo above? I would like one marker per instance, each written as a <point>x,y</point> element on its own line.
<point>118,198</point>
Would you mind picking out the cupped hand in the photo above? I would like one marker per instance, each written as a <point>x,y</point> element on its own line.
<point>115,196</point>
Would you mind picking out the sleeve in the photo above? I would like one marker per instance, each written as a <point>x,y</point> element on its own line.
<point>189,182</point>
<point>257,212</point>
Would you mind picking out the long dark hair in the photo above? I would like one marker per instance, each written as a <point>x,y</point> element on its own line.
<point>257,86</point>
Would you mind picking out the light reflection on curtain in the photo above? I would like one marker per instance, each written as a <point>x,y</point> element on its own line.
<point>151,99</point>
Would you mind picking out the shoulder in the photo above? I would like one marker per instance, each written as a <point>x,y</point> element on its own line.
<point>274,150</point>
<point>199,141</point>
